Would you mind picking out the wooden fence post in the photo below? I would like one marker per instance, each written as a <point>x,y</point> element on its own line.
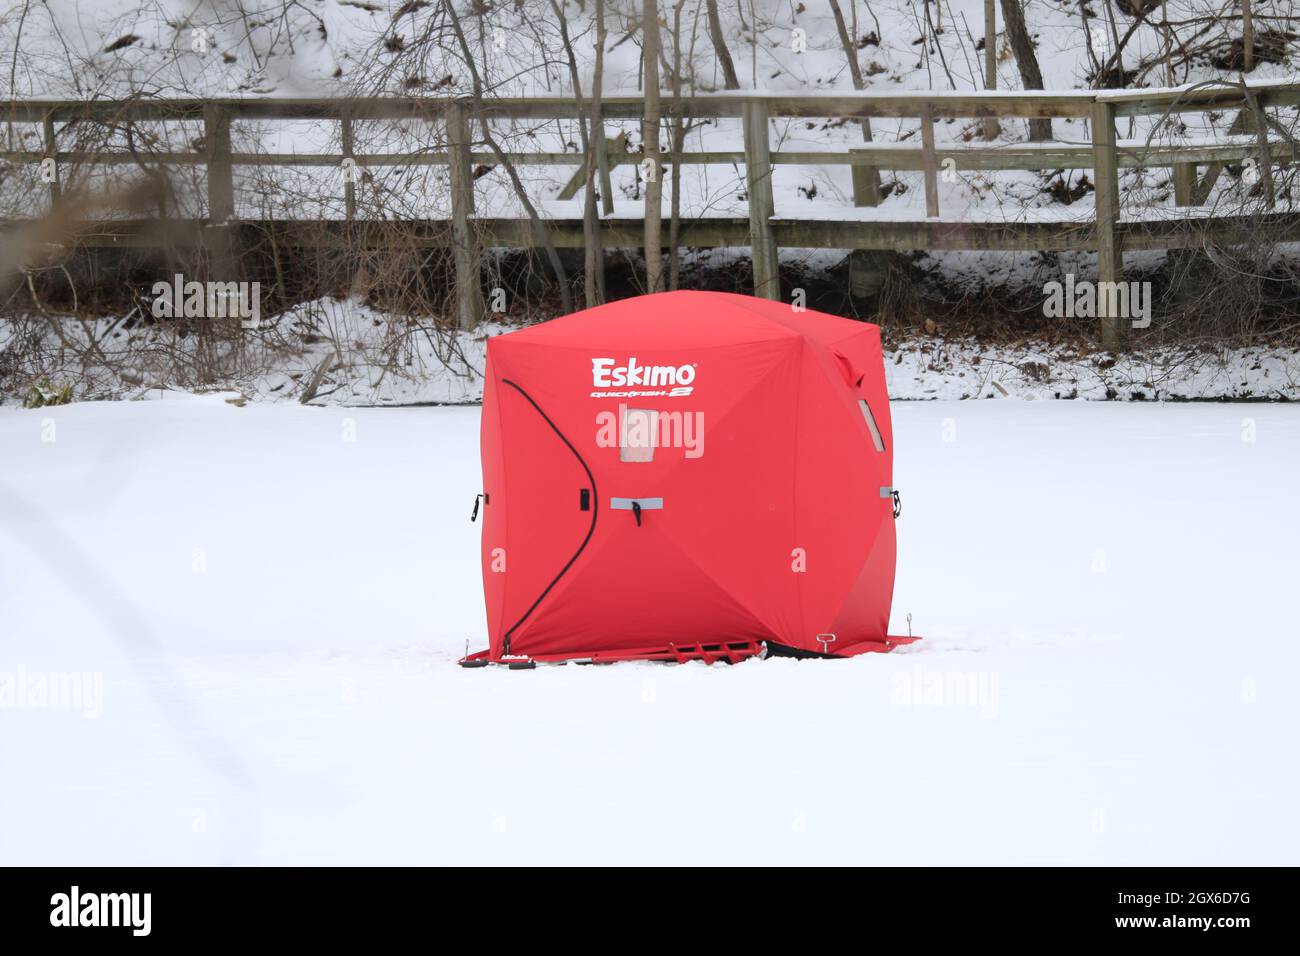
<point>469,289</point>
<point>1264,159</point>
<point>929,163</point>
<point>602,166</point>
<point>1110,257</point>
<point>349,177</point>
<point>52,152</point>
<point>758,176</point>
<point>1184,176</point>
<point>866,182</point>
<point>221,190</point>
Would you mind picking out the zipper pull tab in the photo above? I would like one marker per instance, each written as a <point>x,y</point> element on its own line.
<point>474,514</point>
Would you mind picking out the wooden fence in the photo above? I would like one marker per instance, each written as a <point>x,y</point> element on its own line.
<point>762,230</point>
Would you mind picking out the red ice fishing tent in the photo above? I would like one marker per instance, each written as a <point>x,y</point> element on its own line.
<point>689,475</point>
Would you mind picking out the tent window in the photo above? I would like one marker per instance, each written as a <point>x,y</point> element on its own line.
<point>638,434</point>
<point>871,423</point>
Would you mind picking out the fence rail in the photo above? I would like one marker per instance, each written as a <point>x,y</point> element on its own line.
<point>762,230</point>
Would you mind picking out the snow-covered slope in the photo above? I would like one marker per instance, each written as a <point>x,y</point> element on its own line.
<point>313,47</point>
<point>332,47</point>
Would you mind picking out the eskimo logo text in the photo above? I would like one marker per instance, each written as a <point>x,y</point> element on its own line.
<point>131,910</point>
<point>635,381</point>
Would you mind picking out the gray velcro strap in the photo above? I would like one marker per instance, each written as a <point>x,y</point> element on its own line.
<point>647,504</point>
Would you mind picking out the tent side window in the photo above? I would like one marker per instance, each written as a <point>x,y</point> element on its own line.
<point>637,434</point>
<point>871,423</point>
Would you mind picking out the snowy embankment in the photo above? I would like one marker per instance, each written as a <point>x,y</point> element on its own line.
<point>919,369</point>
<point>274,598</point>
<point>428,365</point>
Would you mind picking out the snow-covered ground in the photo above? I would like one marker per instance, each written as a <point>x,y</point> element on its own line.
<point>273,598</point>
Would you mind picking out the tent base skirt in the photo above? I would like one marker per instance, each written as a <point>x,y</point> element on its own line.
<point>849,650</point>
<point>729,652</point>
